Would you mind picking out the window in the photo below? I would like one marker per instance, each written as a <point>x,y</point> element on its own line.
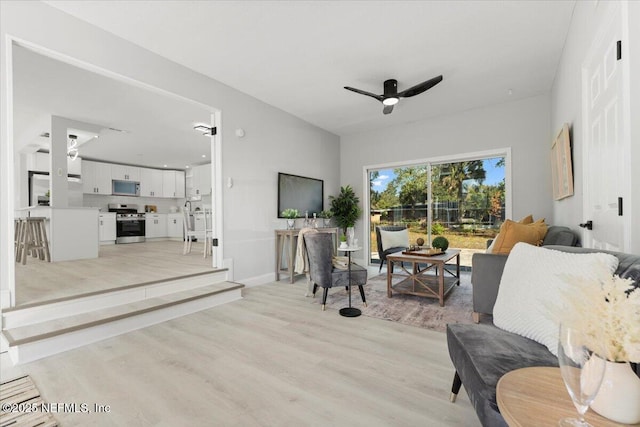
<point>463,201</point>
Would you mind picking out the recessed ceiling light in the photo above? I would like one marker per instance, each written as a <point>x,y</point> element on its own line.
<point>204,156</point>
<point>187,167</point>
<point>165,166</point>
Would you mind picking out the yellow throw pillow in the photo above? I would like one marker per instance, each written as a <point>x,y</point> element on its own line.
<point>527,220</point>
<point>512,232</point>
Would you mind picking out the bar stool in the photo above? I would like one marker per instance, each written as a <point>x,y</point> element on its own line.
<point>33,239</point>
<point>19,228</point>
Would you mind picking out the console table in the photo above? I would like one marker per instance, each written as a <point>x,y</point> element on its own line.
<point>286,241</point>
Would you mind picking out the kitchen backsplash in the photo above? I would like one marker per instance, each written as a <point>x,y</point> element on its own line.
<point>163,205</point>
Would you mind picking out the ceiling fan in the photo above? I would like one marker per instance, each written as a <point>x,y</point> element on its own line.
<point>390,97</point>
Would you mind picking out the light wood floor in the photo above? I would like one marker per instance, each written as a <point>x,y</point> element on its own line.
<point>271,359</point>
<point>117,265</point>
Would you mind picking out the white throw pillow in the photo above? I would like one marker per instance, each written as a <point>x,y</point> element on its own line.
<point>493,243</point>
<point>394,239</point>
<point>531,284</point>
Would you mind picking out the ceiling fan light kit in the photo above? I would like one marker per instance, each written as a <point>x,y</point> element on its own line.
<point>391,97</point>
<point>390,101</point>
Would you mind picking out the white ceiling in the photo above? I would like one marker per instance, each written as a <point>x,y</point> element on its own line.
<point>298,55</point>
<point>158,130</point>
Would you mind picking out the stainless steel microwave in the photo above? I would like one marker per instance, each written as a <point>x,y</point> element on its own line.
<point>125,188</point>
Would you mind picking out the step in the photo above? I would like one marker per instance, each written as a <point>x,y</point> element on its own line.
<point>35,341</point>
<point>44,311</point>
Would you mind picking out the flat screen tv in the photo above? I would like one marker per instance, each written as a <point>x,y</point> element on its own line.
<point>301,193</point>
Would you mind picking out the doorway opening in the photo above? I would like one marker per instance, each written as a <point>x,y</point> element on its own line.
<point>118,106</point>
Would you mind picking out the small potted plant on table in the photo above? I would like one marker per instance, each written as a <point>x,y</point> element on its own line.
<point>291,215</point>
<point>326,217</point>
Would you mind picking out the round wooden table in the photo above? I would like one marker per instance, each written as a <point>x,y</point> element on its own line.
<point>538,397</point>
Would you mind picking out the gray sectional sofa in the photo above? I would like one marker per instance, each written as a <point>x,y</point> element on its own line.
<point>482,353</point>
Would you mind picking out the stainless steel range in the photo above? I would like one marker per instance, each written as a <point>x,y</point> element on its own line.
<point>129,223</point>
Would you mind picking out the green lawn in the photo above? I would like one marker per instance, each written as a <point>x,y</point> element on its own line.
<point>456,239</point>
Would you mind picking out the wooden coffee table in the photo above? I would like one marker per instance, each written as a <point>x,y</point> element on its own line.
<point>538,397</point>
<point>423,282</point>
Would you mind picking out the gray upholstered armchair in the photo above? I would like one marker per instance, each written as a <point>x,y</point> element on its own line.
<point>321,270</point>
<point>383,252</point>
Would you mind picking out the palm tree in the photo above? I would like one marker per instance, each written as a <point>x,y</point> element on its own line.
<point>453,177</point>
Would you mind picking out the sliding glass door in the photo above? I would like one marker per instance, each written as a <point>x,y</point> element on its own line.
<point>463,201</point>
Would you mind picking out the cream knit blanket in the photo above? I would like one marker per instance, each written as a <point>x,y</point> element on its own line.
<point>302,262</point>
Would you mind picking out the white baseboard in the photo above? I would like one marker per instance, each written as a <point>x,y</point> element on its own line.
<point>4,345</point>
<point>5,298</point>
<point>259,280</point>
<point>228,264</point>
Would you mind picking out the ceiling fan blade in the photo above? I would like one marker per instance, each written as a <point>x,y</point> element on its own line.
<point>364,92</point>
<point>419,88</point>
<point>387,109</point>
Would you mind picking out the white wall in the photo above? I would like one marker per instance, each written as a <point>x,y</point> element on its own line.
<point>275,141</point>
<point>634,86</point>
<point>521,125</point>
<point>566,105</point>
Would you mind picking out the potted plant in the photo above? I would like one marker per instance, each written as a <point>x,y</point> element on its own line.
<point>345,209</point>
<point>291,215</point>
<point>441,243</point>
<point>343,241</point>
<point>326,217</point>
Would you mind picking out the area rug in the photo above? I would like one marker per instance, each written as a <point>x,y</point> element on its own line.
<point>22,404</point>
<point>407,309</point>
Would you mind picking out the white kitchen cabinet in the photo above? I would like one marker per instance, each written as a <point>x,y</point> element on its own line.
<point>180,184</point>
<point>201,180</point>
<point>40,162</point>
<point>107,228</point>
<point>74,167</point>
<point>155,225</point>
<point>173,184</point>
<point>96,177</point>
<point>151,182</point>
<point>125,173</point>
<point>175,228</point>
<point>168,183</point>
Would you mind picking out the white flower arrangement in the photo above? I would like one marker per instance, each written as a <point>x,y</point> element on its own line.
<point>607,308</point>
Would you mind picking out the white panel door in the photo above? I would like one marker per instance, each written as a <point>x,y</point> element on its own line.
<point>606,148</point>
